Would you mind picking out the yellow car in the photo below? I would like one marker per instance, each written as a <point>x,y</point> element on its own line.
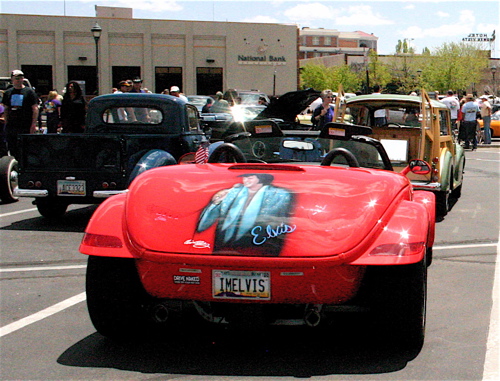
<point>494,126</point>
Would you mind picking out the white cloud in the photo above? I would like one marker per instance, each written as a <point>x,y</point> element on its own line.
<point>442,14</point>
<point>309,11</point>
<point>355,15</point>
<point>361,15</point>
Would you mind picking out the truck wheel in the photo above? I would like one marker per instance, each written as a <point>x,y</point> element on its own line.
<point>151,159</point>
<point>399,303</point>
<point>116,298</point>
<point>8,179</point>
<point>442,203</point>
<point>51,208</point>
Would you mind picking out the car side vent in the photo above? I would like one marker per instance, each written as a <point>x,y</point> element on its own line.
<point>266,167</point>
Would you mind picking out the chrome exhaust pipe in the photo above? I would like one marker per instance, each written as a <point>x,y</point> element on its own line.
<point>160,313</point>
<point>312,316</point>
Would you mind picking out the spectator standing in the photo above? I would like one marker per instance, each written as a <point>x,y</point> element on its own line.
<point>21,110</point>
<point>52,109</point>
<point>73,109</point>
<point>381,116</point>
<point>208,105</point>
<point>176,92</point>
<point>485,110</point>
<point>125,86</point>
<point>137,86</point>
<point>3,143</point>
<point>452,103</point>
<point>324,113</point>
<point>470,110</point>
<point>220,105</point>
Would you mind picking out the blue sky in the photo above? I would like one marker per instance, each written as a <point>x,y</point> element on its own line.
<point>424,23</point>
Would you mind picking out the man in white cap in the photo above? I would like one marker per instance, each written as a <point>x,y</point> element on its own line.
<point>176,92</point>
<point>21,110</point>
<point>485,110</point>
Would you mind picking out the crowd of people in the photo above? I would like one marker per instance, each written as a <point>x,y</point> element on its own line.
<point>21,109</point>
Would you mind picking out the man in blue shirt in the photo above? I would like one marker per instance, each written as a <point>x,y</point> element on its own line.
<point>470,110</point>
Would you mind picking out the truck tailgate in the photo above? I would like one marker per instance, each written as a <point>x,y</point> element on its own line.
<point>71,152</point>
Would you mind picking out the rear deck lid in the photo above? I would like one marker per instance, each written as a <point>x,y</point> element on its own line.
<point>258,210</point>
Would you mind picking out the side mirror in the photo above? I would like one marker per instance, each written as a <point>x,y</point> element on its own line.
<point>418,167</point>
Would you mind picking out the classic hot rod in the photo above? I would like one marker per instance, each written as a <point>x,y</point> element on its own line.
<point>278,227</point>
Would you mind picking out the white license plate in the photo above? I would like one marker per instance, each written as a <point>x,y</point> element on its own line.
<point>71,188</point>
<point>248,285</point>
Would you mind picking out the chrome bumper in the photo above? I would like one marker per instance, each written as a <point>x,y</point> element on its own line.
<point>30,192</point>
<point>435,187</point>
<point>109,193</point>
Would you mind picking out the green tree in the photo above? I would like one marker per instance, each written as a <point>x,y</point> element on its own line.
<point>320,77</point>
<point>455,66</point>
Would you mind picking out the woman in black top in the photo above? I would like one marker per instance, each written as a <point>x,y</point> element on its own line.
<point>73,109</point>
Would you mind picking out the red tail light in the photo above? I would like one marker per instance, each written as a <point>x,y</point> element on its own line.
<point>399,249</point>
<point>98,240</point>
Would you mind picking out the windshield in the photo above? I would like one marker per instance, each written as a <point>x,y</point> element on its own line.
<point>132,115</point>
<point>306,148</point>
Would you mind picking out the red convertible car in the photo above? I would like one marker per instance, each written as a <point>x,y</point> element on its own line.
<point>278,227</point>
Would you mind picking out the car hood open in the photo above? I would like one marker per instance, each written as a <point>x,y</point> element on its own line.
<point>289,105</point>
<point>301,211</point>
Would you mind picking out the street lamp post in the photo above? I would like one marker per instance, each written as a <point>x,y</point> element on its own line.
<point>493,72</point>
<point>96,32</point>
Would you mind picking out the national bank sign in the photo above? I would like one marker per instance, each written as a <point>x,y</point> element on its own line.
<point>261,60</point>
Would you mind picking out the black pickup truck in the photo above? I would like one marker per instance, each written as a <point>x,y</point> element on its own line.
<point>125,135</point>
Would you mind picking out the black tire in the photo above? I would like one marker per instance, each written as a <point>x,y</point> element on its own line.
<point>399,297</point>
<point>442,203</point>
<point>227,153</point>
<point>116,301</point>
<point>50,208</point>
<point>348,155</point>
<point>8,179</point>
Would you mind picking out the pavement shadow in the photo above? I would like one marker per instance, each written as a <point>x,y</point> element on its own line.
<point>74,220</point>
<point>292,352</point>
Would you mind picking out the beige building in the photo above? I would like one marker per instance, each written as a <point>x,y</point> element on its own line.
<point>199,57</point>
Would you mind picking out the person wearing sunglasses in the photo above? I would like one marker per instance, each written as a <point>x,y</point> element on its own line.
<point>324,113</point>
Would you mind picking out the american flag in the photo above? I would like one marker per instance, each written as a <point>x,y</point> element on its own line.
<point>201,155</point>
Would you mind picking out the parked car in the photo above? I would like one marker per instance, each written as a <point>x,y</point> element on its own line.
<point>282,110</point>
<point>416,127</point>
<point>125,134</point>
<point>199,101</point>
<point>494,125</point>
<point>278,228</point>
<point>234,96</point>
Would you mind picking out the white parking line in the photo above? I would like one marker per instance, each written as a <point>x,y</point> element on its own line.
<point>42,268</point>
<point>9,328</point>
<point>18,212</point>
<point>491,370</point>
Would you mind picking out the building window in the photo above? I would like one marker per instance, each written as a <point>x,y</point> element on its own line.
<point>208,80</point>
<point>121,73</point>
<point>317,54</point>
<point>166,77</point>
<point>328,41</point>
<point>40,77</point>
<point>315,40</point>
<point>85,76</point>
